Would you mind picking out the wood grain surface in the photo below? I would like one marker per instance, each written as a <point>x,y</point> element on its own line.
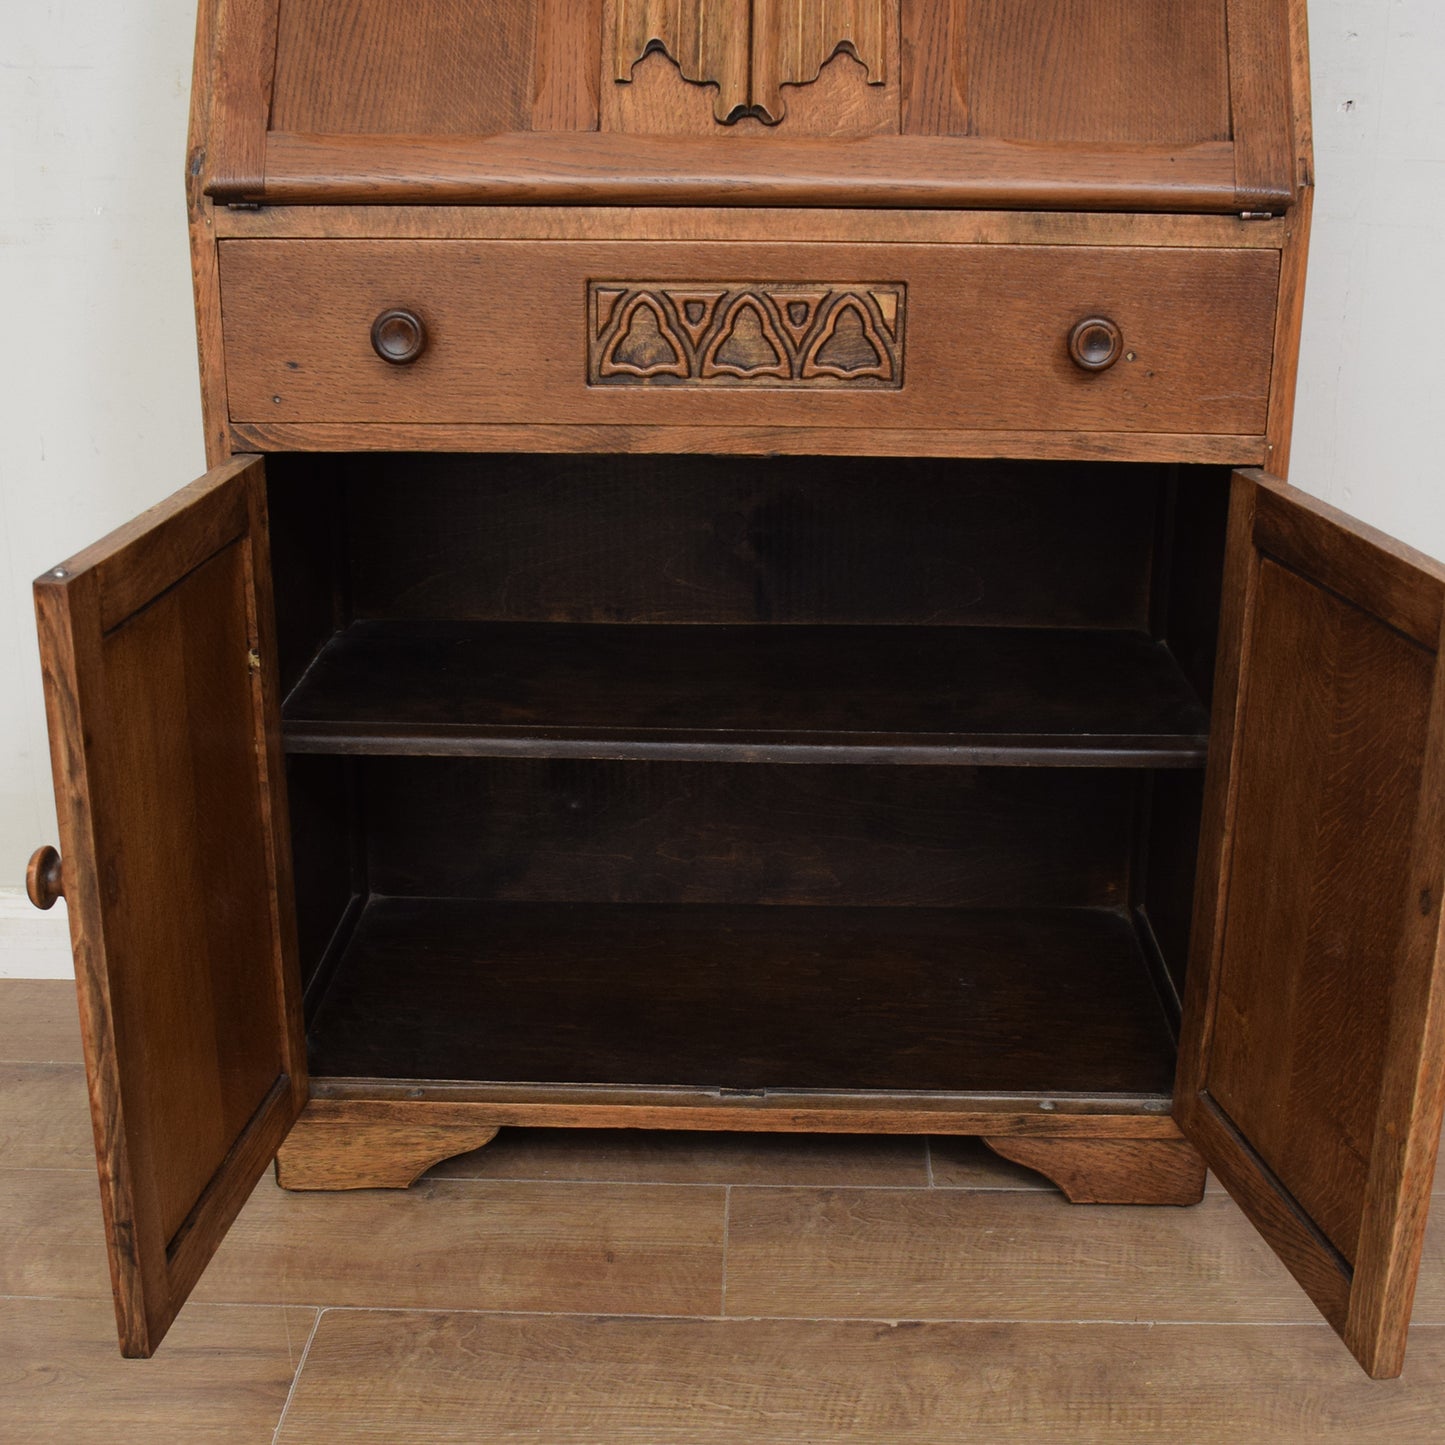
<point>1114,1171</point>
<point>1313,1084</point>
<point>1086,71</point>
<point>736,693</point>
<point>986,348</point>
<point>438,67</point>
<point>992,1001</point>
<point>745,170</point>
<point>178,875</point>
<point>594,832</point>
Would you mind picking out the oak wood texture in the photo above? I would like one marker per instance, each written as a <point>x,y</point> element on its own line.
<point>744,999</point>
<point>439,67</point>
<point>994,85</point>
<point>742,223</point>
<point>240,69</point>
<point>1264,111</point>
<point>934,61</point>
<point>710,42</point>
<point>1289,322</point>
<point>567,94</point>
<point>749,170</point>
<point>720,334</point>
<point>807,1111</point>
<point>45,878</point>
<point>172,816</point>
<point>840,103</point>
<point>747,441</point>
<point>728,693</point>
<point>792,41</point>
<point>329,1148</point>
<point>746,51</point>
<point>1311,1071</point>
<point>724,539</point>
<point>1114,1171</point>
<point>607,832</point>
<point>201,217</point>
<point>1101,71</point>
<point>987,336</point>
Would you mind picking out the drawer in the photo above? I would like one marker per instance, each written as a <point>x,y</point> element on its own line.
<point>966,337</point>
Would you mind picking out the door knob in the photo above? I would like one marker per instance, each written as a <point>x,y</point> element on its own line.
<point>1096,343</point>
<point>45,878</point>
<point>398,336</point>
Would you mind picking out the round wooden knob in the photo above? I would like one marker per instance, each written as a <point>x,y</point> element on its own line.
<point>1095,344</point>
<point>45,878</point>
<point>398,337</point>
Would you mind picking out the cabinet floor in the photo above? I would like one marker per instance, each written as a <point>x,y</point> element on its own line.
<point>956,1000</point>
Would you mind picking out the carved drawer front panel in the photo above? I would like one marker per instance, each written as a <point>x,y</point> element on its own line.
<point>854,339</point>
<point>659,333</point>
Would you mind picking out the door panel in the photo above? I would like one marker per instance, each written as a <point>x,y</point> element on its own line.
<point>1311,1063</point>
<point>161,693</point>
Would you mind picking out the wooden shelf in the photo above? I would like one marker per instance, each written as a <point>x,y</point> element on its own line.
<point>964,695</point>
<point>887,999</point>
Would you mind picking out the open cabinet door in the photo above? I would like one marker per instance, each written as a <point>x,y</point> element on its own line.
<point>160,685</point>
<point>1312,1062</point>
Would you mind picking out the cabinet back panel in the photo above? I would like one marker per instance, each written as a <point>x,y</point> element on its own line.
<point>631,832</point>
<point>713,539</point>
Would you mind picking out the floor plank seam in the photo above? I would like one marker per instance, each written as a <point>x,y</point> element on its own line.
<point>296,1376</point>
<point>892,1321</point>
<point>726,1232</point>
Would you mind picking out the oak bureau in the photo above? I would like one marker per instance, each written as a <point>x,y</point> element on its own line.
<point>745,584</point>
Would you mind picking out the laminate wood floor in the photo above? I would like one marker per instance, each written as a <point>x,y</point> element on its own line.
<point>595,1287</point>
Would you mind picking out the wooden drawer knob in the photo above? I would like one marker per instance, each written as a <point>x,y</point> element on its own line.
<point>1095,344</point>
<point>398,337</point>
<point>45,878</point>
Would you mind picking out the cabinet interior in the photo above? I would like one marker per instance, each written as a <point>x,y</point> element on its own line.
<point>745,774</point>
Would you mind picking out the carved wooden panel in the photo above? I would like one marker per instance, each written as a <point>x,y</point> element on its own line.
<point>727,333</point>
<point>750,49</point>
<point>792,40</point>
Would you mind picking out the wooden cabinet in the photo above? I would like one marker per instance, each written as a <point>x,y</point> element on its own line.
<point>732,596</point>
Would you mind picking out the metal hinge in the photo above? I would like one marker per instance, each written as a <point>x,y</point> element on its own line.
<point>1256,215</point>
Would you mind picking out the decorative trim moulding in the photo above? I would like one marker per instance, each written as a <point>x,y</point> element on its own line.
<point>816,335</point>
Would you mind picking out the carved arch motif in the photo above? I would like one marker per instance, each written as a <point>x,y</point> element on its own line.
<point>721,334</point>
<point>750,49</point>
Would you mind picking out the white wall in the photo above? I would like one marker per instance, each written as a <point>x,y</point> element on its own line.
<point>99,408</point>
<point>99,398</point>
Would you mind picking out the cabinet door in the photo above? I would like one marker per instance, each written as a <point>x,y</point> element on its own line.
<point>160,684</point>
<point>1312,1068</point>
